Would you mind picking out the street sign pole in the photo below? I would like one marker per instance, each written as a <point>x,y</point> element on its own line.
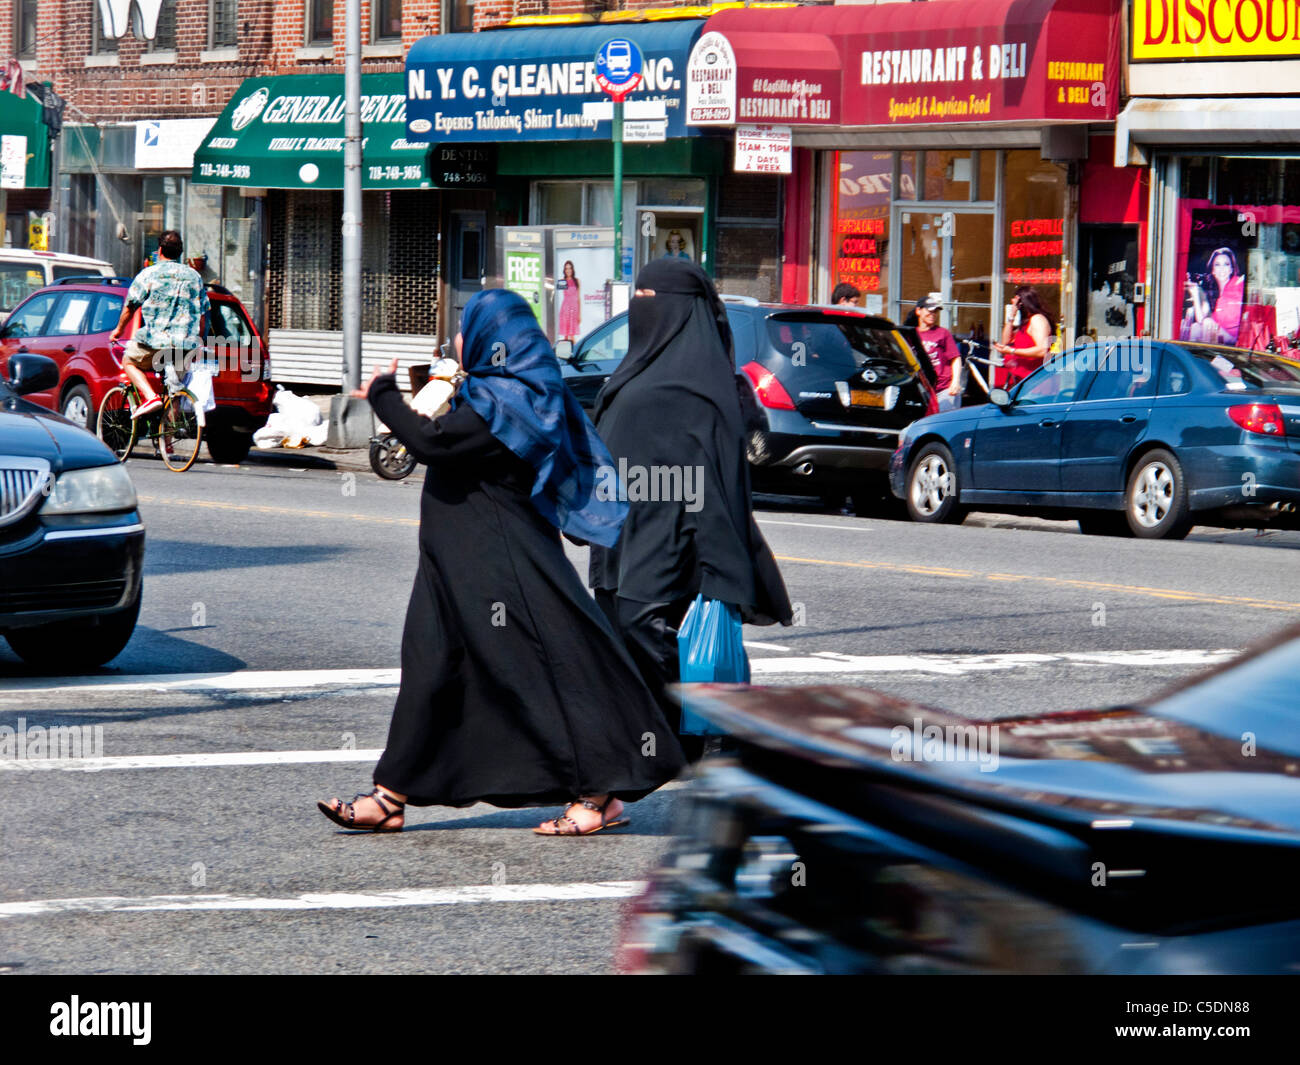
<point>619,65</point>
<point>350,420</point>
<point>618,188</point>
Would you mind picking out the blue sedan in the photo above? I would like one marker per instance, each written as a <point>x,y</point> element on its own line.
<point>1134,437</point>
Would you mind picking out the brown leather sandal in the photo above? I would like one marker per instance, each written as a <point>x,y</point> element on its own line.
<point>576,830</point>
<point>337,810</point>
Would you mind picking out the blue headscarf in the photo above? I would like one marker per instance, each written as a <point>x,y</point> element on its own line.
<point>514,384</point>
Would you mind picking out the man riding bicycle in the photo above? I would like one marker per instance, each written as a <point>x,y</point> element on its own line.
<point>173,305</point>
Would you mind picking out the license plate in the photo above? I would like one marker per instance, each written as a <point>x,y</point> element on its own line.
<point>862,398</point>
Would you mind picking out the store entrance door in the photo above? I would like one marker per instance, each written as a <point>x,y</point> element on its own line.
<point>948,251</point>
<point>468,261</point>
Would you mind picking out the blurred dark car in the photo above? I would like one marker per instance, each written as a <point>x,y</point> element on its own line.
<point>69,322</point>
<point>834,388</point>
<point>71,538</point>
<point>1157,838</point>
<point>1131,437</point>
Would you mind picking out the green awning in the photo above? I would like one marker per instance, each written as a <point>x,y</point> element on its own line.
<point>22,131</point>
<point>287,133</point>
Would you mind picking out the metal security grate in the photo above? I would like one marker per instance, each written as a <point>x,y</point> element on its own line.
<point>21,484</point>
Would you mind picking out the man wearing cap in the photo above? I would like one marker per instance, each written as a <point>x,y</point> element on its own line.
<point>942,348</point>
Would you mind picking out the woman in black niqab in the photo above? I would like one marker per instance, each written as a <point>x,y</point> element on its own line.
<point>674,402</point>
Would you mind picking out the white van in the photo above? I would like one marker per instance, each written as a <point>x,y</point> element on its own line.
<point>22,272</point>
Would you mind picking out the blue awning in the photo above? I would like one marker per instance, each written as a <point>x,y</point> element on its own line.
<point>531,84</point>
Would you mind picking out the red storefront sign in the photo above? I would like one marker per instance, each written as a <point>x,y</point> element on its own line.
<point>946,61</point>
<point>744,77</point>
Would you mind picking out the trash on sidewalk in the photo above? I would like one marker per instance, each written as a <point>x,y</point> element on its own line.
<point>296,422</point>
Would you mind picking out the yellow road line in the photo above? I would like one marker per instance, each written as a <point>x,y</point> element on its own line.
<point>1062,582</point>
<point>292,512</point>
<point>887,567</point>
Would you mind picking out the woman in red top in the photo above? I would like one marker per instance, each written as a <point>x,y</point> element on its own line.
<point>1026,337</point>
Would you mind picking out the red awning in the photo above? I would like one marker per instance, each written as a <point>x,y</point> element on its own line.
<point>941,62</point>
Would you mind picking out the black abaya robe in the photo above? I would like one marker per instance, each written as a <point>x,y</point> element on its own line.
<point>515,690</point>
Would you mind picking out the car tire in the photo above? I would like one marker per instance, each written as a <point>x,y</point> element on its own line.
<point>227,446</point>
<point>1104,523</point>
<point>82,643</point>
<point>932,489</point>
<point>77,408</point>
<point>1155,502</point>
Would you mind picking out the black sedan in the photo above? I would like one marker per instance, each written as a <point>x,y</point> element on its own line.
<point>833,388</point>
<point>853,832</point>
<point>71,538</point>
<point>1131,437</point>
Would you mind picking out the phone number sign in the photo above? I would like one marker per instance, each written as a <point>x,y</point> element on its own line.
<point>763,149</point>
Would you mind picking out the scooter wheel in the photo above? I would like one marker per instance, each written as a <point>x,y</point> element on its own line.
<point>390,459</point>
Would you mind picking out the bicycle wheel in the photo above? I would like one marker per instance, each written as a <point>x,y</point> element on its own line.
<point>114,424</point>
<point>179,431</point>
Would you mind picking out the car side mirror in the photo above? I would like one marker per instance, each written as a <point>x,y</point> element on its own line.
<point>32,373</point>
<point>564,350</point>
<point>1000,398</point>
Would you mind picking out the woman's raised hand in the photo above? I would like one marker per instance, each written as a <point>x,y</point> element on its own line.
<point>364,391</point>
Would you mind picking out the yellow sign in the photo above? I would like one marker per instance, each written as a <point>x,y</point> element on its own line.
<point>37,239</point>
<point>1215,29</point>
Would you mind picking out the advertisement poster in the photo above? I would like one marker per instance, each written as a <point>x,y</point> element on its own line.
<point>1112,270</point>
<point>524,276</point>
<point>1214,287</point>
<point>583,262</point>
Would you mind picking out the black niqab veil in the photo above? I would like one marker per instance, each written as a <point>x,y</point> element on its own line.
<point>671,416</point>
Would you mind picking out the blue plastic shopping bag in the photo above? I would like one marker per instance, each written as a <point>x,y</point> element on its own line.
<point>710,647</point>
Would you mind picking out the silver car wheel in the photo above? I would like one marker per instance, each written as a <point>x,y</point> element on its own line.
<point>77,410</point>
<point>932,484</point>
<point>1153,495</point>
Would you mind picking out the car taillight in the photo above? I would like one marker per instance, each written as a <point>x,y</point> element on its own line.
<point>1263,418</point>
<point>771,393</point>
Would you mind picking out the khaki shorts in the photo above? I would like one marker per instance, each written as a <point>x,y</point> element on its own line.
<point>138,355</point>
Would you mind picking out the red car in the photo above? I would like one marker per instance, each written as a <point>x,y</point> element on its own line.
<point>69,322</point>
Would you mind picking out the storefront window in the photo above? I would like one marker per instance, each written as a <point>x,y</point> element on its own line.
<point>1034,243</point>
<point>860,223</point>
<point>1238,253</point>
<point>163,208</point>
<point>947,175</point>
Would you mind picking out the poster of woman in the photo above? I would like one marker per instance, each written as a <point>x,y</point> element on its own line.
<point>569,324</point>
<point>1215,286</point>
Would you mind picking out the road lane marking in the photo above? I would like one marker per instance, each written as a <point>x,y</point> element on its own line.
<point>188,761</point>
<point>962,665</point>
<point>886,567</point>
<point>241,680</point>
<point>295,512</point>
<point>334,900</point>
<point>1064,582</point>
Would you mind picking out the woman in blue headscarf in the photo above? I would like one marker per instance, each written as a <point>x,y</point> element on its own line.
<point>515,690</point>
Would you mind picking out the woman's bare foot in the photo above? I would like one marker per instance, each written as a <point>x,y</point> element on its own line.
<point>584,816</point>
<point>380,811</point>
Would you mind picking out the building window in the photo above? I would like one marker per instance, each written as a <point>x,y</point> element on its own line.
<point>164,38</point>
<point>320,21</point>
<point>388,20</point>
<point>25,31</point>
<point>458,16</point>
<point>223,28</point>
<point>100,42</point>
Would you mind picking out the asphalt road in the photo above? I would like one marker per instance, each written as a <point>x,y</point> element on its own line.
<point>200,849</point>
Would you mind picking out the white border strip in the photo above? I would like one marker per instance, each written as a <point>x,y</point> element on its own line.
<point>355,900</point>
<point>187,761</point>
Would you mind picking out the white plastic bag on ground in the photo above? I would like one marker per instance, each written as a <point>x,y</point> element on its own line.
<point>296,422</point>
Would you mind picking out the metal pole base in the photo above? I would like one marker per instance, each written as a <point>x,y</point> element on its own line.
<point>352,423</point>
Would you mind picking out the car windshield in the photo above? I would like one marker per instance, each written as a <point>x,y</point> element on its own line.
<point>840,344</point>
<point>1250,370</point>
<point>17,282</point>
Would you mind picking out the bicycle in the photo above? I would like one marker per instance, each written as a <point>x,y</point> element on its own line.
<point>174,428</point>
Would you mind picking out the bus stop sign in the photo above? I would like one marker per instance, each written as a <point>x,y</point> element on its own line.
<point>618,67</point>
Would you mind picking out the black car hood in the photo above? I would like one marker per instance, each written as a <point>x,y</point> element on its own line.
<point>33,432</point>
